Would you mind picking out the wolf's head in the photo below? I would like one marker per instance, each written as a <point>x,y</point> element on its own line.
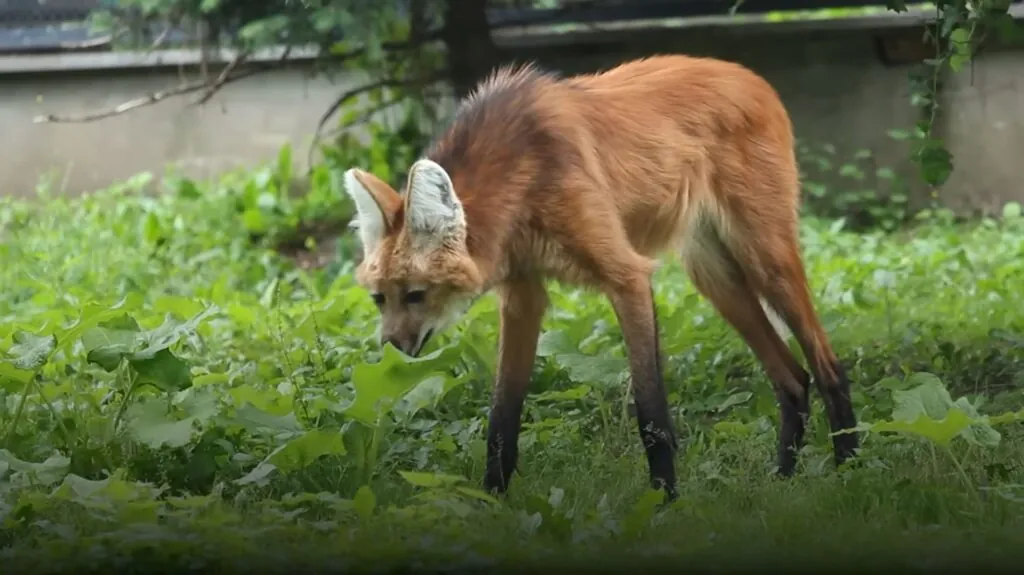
<point>415,263</point>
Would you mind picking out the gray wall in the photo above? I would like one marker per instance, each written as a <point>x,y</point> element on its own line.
<point>246,123</point>
<point>839,91</point>
<point>836,88</point>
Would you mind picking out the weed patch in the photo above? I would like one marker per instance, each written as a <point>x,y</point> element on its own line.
<point>174,391</point>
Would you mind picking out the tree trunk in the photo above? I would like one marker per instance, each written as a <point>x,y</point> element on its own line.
<point>472,53</point>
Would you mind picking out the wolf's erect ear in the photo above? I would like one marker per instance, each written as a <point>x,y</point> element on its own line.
<point>431,206</point>
<point>376,205</point>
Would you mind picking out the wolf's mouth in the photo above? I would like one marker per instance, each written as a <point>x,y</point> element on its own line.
<point>423,342</point>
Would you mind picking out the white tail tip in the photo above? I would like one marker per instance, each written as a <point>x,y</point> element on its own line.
<point>780,326</point>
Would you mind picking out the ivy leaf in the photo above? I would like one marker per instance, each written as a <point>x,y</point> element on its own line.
<point>935,162</point>
<point>960,40</point>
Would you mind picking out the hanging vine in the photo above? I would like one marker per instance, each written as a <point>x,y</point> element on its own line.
<point>958,31</point>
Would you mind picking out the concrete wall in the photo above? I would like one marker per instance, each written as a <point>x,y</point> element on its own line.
<point>246,123</point>
<point>836,87</point>
<point>839,91</point>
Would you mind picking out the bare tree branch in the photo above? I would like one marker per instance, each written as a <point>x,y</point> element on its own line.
<point>354,93</point>
<point>228,75</point>
<point>147,100</point>
<point>225,75</point>
<point>161,38</point>
<point>156,97</point>
<point>90,43</point>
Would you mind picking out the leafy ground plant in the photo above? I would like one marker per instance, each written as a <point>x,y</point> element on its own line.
<point>173,392</point>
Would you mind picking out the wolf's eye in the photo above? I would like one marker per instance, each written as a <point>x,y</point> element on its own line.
<point>378,298</point>
<point>415,296</point>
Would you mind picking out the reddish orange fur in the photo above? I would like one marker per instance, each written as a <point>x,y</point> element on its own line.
<point>588,179</point>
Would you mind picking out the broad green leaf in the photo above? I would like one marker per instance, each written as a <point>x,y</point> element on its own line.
<point>421,479</point>
<point>735,399</point>
<point>572,394</point>
<point>93,315</point>
<point>980,432</point>
<point>941,431</point>
<point>426,393</point>
<point>30,351</point>
<point>928,398</point>
<point>927,410</point>
<point>149,423</point>
<point>477,494</point>
<point>201,404</point>
<point>555,342</point>
<point>600,371</point>
<point>268,400</point>
<point>182,307</point>
<point>258,475</point>
<point>379,385</point>
<point>306,448</point>
<point>48,472</point>
<point>256,419</point>
<point>364,502</point>
<point>1004,418</point>
<point>111,341</point>
<point>168,333</point>
<point>13,379</point>
<point>110,489</point>
<point>642,512</point>
<point>163,370</point>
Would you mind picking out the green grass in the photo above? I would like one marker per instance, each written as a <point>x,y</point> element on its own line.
<point>178,394</point>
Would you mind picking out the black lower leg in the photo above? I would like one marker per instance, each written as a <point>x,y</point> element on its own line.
<point>502,444</point>
<point>794,413</point>
<point>660,446</point>
<point>655,422</point>
<point>840,415</point>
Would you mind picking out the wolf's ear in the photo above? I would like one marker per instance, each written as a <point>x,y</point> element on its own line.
<point>431,206</point>
<point>376,205</point>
